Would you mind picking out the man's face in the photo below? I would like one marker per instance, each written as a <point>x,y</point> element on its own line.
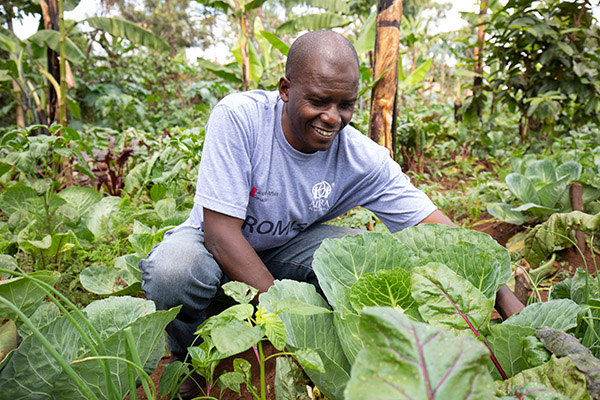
<point>319,103</point>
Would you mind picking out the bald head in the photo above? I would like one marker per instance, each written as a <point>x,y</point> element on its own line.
<point>324,46</point>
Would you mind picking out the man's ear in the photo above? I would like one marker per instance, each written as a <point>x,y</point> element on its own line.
<point>284,87</point>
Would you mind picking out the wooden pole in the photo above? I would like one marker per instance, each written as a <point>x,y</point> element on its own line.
<point>383,99</point>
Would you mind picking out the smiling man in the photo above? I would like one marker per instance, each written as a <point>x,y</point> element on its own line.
<point>275,167</point>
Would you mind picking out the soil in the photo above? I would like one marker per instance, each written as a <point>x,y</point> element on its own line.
<point>568,261</point>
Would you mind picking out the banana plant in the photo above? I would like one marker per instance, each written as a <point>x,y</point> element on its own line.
<point>27,77</point>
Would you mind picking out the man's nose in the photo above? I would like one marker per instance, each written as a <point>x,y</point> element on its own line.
<point>331,116</point>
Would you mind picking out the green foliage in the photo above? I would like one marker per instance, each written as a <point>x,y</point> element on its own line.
<point>542,188</point>
<point>235,330</point>
<point>81,353</point>
<point>543,60</point>
<point>443,276</point>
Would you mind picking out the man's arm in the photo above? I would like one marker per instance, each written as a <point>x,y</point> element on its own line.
<point>224,240</point>
<point>437,217</point>
<point>507,303</point>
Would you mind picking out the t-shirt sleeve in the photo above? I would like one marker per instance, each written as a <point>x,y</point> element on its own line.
<point>395,200</point>
<point>224,177</point>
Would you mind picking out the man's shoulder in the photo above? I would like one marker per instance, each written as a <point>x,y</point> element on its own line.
<point>356,142</point>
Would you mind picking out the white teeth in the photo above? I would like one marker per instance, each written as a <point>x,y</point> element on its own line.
<point>322,132</point>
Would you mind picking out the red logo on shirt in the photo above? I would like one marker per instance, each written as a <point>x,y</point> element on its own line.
<point>253,191</point>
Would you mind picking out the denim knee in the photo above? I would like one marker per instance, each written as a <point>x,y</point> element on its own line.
<point>181,271</point>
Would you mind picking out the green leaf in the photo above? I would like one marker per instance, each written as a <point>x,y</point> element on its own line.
<point>99,217</point>
<point>238,311</point>
<point>165,208</point>
<point>581,287</point>
<point>8,337</point>
<point>562,344</point>
<point>445,299</point>
<point>366,39</point>
<point>274,328</point>
<point>504,341</point>
<point>24,293</point>
<point>279,44</point>
<point>290,382</point>
<point>148,330</point>
<point>313,22</point>
<point>42,316</point>
<point>32,372</point>
<point>130,31</point>
<point>558,373</point>
<point>572,169</point>
<point>541,171</point>
<point>474,263</point>
<point>231,381</point>
<point>383,288</point>
<point>522,188</point>
<point>311,331</point>
<point>240,291</point>
<point>417,75</point>
<point>557,234</point>
<point>533,391</point>
<point>51,38</point>
<point>256,67</point>
<point>16,200</point>
<point>297,307</point>
<point>552,192</point>
<point>225,73</point>
<point>339,263</point>
<point>425,239</point>
<point>110,281</point>
<point>233,336</point>
<point>559,314</point>
<point>7,262</point>
<point>309,359</point>
<point>80,199</point>
<point>505,212</point>
<point>404,359</point>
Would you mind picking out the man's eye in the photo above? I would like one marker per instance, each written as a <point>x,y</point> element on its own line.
<point>316,102</point>
<point>348,105</point>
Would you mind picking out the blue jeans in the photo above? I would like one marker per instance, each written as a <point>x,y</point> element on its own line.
<point>180,270</point>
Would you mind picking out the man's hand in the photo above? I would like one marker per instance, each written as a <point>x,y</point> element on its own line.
<point>224,240</point>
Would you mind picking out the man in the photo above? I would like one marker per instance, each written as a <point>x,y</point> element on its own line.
<point>275,166</point>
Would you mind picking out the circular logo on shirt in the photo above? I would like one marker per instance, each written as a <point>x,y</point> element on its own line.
<point>320,192</point>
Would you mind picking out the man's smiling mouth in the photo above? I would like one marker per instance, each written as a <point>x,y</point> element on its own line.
<point>323,132</point>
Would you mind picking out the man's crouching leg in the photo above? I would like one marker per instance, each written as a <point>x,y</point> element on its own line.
<point>180,271</point>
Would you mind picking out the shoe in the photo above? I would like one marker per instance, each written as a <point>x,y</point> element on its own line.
<point>192,386</point>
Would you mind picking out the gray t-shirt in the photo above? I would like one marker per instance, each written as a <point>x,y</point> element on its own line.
<point>249,171</point>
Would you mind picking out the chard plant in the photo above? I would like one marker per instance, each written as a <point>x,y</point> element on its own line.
<point>411,318</point>
<point>55,350</point>
<point>236,330</point>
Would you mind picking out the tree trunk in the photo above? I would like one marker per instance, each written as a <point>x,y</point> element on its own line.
<point>478,55</point>
<point>51,22</point>
<point>382,122</point>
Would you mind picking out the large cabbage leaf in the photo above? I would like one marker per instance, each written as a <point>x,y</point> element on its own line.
<point>33,373</point>
<point>434,240</point>
<point>559,314</point>
<point>404,359</point>
<point>339,263</point>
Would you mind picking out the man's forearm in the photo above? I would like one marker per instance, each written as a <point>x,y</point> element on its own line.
<point>223,238</point>
<point>240,262</point>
